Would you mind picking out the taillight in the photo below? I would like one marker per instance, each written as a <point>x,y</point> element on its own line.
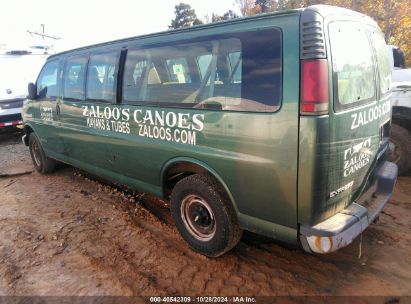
<point>314,86</point>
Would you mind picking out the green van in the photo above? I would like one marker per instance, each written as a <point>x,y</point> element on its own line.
<point>277,124</point>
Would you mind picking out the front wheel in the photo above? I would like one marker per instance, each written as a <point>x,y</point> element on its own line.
<point>399,151</point>
<point>204,216</point>
<point>42,163</point>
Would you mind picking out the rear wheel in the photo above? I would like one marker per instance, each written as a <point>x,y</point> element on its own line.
<point>42,163</point>
<point>400,148</point>
<point>204,216</point>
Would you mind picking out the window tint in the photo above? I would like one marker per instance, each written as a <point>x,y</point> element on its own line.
<point>101,76</point>
<point>384,66</point>
<point>47,81</point>
<point>178,70</point>
<point>235,64</point>
<point>73,78</point>
<point>138,70</point>
<point>237,71</point>
<point>353,70</point>
<point>203,62</point>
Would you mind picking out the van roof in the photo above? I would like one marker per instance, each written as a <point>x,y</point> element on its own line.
<point>323,10</point>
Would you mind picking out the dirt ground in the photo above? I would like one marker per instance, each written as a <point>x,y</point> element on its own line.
<point>69,234</point>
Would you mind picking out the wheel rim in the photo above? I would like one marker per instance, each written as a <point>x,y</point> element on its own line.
<point>36,153</point>
<point>198,217</point>
<point>394,151</point>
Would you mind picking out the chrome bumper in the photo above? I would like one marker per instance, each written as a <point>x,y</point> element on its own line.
<point>342,228</point>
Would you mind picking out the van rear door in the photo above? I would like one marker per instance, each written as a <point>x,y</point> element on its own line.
<point>359,122</point>
<point>361,107</point>
<point>347,145</point>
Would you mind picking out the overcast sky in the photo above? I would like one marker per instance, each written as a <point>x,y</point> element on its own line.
<point>84,22</point>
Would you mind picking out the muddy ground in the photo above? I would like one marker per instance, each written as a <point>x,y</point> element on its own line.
<point>69,234</point>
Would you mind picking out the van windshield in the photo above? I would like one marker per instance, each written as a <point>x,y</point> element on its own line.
<point>353,70</point>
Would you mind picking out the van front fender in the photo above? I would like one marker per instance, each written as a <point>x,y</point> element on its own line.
<point>28,128</point>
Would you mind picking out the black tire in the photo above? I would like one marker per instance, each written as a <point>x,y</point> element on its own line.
<point>41,162</point>
<point>204,215</point>
<point>400,148</point>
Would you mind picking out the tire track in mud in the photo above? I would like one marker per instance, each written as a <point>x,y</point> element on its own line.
<point>192,270</point>
<point>263,264</point>
<point>235,284</point>
<point>20,240</point>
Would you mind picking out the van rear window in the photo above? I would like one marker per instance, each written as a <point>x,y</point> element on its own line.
<point>384,66</point>
<point>353,70</point>
<point>236,71</point>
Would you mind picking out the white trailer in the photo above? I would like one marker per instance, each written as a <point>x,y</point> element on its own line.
<point>17,69</point>
<point>400,137</point>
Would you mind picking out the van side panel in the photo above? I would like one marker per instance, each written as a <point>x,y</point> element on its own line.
<point>255,154</point>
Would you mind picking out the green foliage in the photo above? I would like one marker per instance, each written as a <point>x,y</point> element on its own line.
<point>227,16</point>
<point>184,16</point>
<point>230,15</point>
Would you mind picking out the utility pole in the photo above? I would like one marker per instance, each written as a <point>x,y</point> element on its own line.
<point>43,36</point>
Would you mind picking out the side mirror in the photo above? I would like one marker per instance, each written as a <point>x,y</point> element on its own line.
<point>32,91</point>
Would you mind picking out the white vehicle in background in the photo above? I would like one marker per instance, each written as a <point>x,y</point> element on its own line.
<point>17,69</point>
<point>400,136</point>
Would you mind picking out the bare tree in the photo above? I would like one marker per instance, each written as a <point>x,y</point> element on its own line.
<point>245,6</point>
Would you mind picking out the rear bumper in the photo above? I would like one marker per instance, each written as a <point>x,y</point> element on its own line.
<point>342,228</point>
<point>11,123</point>
<point>10,117</point>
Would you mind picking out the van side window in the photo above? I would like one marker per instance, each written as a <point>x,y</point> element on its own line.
<point>383,62</point>
<point>47,81</point>
<point>203,62</point>
<point>101,76</point>
<point>178,70</point>
<point>235,66</point>
<point>353,68</point>
<point>73,78</point>
<point>138,71</point>
<point>236,71</point>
